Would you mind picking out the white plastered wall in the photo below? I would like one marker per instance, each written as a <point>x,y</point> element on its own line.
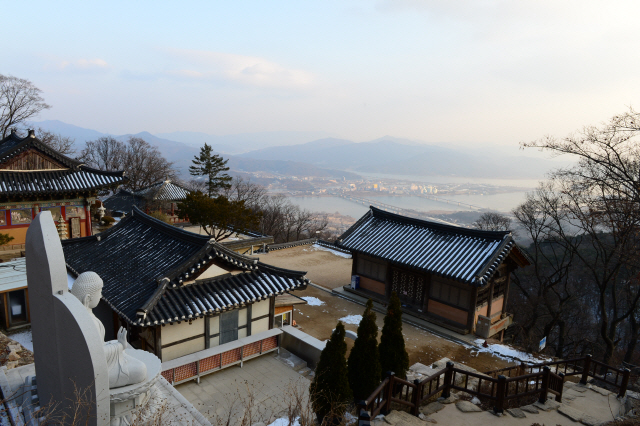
<point>260,326</point>
<point>176,332</point>
<point>260,309</point>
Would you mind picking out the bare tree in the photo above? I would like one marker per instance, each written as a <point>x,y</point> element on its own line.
<point>63,144</point>
<point>491,221</point>
<point>105,153</point>
<point>143,164</point>
<point>599,200</point>
<point>20,100</point>
<point>244,190</point>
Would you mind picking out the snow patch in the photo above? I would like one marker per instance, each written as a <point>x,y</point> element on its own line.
<point>336,252</point>
<point>312,301</point>
<point>70,280</point>
<point>476,401</point>
<point>351,319</point>
<point>285,422</point>
<point>24,338</point>
<point>508,353</point>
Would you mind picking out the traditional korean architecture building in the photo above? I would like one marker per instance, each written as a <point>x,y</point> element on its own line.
<point>34,177</point>
<point>178,292</point>
<point>456,277</point>
<point>162,196</point>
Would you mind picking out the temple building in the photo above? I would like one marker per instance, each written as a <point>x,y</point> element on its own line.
<point>178,292</point>
<point>163,196</point>
<point>455,277</point>
<point>34,177</point>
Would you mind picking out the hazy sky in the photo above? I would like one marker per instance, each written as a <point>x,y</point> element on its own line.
<point>439,71</point>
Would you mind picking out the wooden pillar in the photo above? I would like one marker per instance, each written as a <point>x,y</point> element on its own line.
<point>6,310</point>
<point>250,316</point>
<point>207,332</point>
<point>158,341</point>
<point>427,292</point>
<point>490,300</point>
<point>506,290</point>
<point>471,318</point>
<point>87,222</point>
<point>272,310</point>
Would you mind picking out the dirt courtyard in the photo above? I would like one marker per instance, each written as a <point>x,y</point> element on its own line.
<point>329,270</point>
<point>323,267</point>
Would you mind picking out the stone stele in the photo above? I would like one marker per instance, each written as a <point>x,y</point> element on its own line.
<point>70,353</point>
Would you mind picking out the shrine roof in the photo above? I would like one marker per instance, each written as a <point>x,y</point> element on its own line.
<point>467,255</point>
<point>150,271</point>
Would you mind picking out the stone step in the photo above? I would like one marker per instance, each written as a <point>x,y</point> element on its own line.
<point>305,371</point>
<point>291,360</point>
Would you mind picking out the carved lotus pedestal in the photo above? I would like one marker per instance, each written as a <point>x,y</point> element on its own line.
<point>128,402</point>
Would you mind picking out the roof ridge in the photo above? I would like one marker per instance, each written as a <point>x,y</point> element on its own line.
<point>33,140</point>
<point>167,228</point>
<point>494,235</point>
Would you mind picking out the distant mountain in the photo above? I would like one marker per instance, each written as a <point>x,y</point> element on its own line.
<point>243,142</point>
<point>390,155</point>
<point>182,154</point>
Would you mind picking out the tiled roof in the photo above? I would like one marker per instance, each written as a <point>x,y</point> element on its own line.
<point>39,182</point>
<point>467,255</point>
<point>146,266</point>
<point>123,202</point>
<point>220,294</point>
<point>164,191</point>
<point>75,178</point>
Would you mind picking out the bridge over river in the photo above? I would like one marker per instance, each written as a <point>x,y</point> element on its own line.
<point>405,212</point>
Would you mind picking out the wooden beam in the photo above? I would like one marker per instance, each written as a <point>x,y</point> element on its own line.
<point>471,320</point>
<point>249,318</point>
<point>207,332</point>
<point>490,300</point>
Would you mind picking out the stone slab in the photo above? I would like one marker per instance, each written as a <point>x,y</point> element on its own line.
<point>547,406</point>
<point>434,407</point>
<point>452,398</point>
<point>601,391</point>
<point>530,409</point>
<point>402,418</point>
<point>590,421</point>
<point>516,412</point>
<point>572,413</point>
<point>579,388</point>
<point>467,407</point>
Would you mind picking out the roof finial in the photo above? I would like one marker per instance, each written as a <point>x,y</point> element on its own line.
<point>32,133</point>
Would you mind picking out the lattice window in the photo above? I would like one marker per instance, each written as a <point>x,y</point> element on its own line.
<point>210,363</point>
<point>186,371</point>
<point>230,356</point>
<point>409,287</point>
<point>250,349</point>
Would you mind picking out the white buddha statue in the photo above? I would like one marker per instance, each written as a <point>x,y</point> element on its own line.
<point>123,369</point>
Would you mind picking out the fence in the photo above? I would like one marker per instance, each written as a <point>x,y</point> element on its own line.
<point>522,380</point>
<point>198,364</point>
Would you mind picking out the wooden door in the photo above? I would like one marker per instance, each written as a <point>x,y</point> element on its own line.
<point>409,287</point>
<point>229,326</point>
<point>75,227</point>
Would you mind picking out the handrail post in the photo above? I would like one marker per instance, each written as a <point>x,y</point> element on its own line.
<point>523,369</point>
<point>585,369</point>
<point>501,390</point>
<point>387,405</point>
<point>559,396</point>
<point>625,382</point>
<point>545,384</point>
<point>363,415</point>
<point>448,379</point>
<point>417,397</point>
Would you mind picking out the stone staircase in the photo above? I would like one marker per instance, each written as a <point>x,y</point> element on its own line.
<point>295,363</point>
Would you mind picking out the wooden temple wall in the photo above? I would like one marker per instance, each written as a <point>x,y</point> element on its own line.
<point>184,338</point>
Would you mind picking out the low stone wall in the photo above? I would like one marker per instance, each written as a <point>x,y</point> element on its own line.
<point>302,345</point>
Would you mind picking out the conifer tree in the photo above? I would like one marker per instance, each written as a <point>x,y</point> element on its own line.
<point>329,389</point>
<point>213,167</point>
<point>364,360</point>
<point>393,355</point>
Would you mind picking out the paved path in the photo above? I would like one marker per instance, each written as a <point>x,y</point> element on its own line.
<point>264,383</point>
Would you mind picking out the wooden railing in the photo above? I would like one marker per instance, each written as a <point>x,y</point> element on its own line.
<point>522,381</point>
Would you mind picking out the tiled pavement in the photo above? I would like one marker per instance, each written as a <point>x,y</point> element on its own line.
<point>264,383</point>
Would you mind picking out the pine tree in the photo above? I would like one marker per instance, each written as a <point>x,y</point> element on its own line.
<point>393,355</point>
<point>5,239</point>
<point>364,360</point>
<point>329,389</point>
<point>213,166</point>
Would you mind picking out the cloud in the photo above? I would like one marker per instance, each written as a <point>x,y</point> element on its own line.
<point>83,65</point>
<point>239,69</point>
